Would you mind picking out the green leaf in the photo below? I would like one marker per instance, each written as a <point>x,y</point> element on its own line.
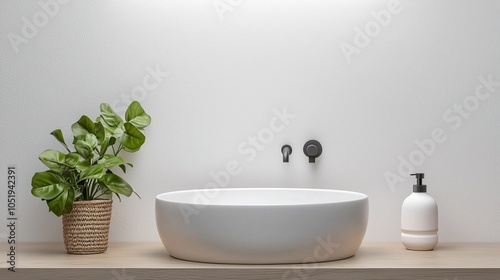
<point>105,144</point>
<point>63,203</point>
<point>53,159</point>
<point>93,172</point>
<point>108,130</point>
<point>59,136</point>
<point>104,189</point>
<point>83,126</point>
<point>83,149</point>
<point>132,139</point>
<point>141,121</point>
<point>73,159</point>
<point>47,185</point>
<point>85,145</point>
<point>116,184</point>
<point>134,109</point>
<point>83,165</point>
<point>136,115</point>
<point>118,132</point>
<point>109,117</point>
<point>77,194</point>
<point>105,192</point>
<point>110,161</point>
<point>99,132</point>
<point>124,167</point>
<point>138,195</point>
<point>68,206</point>
<point>91,141</point>
<point>76,138</point>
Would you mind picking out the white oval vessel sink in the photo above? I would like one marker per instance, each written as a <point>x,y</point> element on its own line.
<point>261,225</point>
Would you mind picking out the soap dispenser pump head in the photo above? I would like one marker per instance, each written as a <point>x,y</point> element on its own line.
<point>419,187</point>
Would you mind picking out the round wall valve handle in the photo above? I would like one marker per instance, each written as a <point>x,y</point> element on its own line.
<point>312,149</point>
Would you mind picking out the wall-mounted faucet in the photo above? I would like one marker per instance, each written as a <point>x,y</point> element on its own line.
<point>286,150</point>
<point>312,149</point>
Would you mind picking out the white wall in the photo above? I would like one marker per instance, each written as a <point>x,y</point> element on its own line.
<point>225,76</point>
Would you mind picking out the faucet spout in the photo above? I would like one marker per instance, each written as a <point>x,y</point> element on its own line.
<point>286,150</point>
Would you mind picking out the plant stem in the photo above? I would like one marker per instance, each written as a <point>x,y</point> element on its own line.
<point>87,191</point>
<point>74,183</point>
<point>99,196</point>
<point>96,189</point>
<point>121,147</point>
<point>67,149</point>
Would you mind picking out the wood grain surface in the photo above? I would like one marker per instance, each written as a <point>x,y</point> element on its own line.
<point>127,261</point>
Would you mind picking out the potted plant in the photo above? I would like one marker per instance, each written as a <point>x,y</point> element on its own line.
<point>80,182</point>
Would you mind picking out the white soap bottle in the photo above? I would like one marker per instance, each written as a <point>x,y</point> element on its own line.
<point>419,219</point>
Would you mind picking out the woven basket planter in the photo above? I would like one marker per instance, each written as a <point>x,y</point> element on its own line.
<point>86,229</point>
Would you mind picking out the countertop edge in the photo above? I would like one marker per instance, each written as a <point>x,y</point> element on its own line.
<point>390,260</point>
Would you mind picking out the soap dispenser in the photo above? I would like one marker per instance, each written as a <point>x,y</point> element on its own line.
<point>419,219</point>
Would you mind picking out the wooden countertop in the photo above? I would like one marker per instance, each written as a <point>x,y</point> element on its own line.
<point>127,261</point>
